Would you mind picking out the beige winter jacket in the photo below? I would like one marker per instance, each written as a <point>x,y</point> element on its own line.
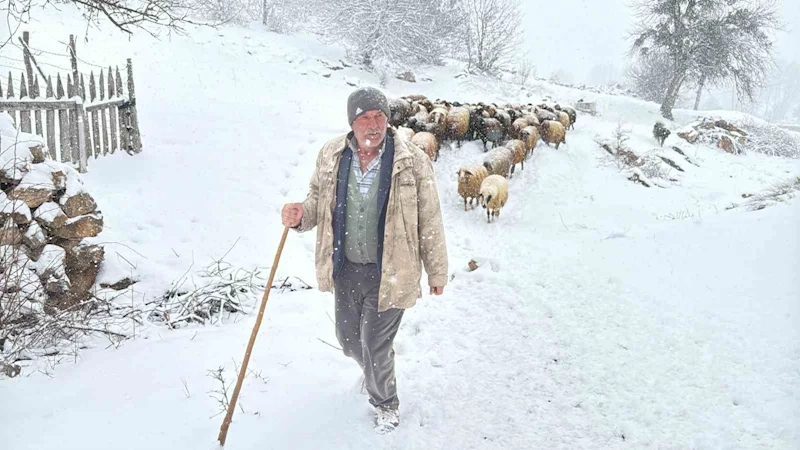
<point>414,232</point>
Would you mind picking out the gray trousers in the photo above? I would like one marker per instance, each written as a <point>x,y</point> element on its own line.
<point>364,334</point>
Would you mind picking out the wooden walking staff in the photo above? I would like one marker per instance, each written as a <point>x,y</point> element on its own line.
<point>223,430</point>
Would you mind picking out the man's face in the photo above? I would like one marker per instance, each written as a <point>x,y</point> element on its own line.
<point>370,128</point>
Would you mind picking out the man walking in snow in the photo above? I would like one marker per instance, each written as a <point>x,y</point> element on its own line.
<point>374,202</point>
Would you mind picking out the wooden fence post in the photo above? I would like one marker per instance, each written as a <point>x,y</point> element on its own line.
<point>136,139</point>
<point>103,120</point>
<point>93,115</point>
<point>64,132</point>
<point>37,115</point>
<point>112,112</point>
<point>10,95</point>
<point>74,62</point>
<point>124,119</point>
<point>72,90</point>
<point>33,83</point>
<point>24,116</point>
<point>85,122</point>
<point>82,157</point>
<point>50,115</point>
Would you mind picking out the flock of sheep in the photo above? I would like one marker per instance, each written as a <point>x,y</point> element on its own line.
<point>514,131</point>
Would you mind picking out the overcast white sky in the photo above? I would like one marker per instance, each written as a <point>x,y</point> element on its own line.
<point>577,35</point>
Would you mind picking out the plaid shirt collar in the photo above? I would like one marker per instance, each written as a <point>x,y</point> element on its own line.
<point>353,143</point>
<point>365,179</point>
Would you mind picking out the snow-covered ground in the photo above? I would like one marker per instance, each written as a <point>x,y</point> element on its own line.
<point>603,315</point>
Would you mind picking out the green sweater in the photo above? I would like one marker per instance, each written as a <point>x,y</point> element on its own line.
<point>361,222</point>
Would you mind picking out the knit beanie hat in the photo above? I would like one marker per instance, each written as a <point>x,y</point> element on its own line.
<point>366,99</point>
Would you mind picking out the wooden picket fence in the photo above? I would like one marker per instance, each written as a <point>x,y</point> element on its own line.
<point>77,127</point>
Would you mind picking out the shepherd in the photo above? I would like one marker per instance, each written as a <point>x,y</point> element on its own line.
<point>374,201</point>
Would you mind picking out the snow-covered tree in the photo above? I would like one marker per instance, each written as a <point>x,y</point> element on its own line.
<point>603,74</point>
<point>493,33</point>
<point>561,76</point>
<point>707,41</point>
<point>392,31</point>
<point>649,75</point>
<point>238,12</point>
<point>279,16</point>
<point>126,15</point>
<point>284,16</point>
<point>781,93</point>
<point>149,16</point>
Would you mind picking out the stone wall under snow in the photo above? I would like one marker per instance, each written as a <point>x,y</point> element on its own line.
<point>45,214</point>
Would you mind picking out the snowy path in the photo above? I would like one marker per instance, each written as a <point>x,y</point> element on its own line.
<point>568,355</point>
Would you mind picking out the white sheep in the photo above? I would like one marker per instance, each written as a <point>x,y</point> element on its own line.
<point>470,179</point>
<point>494,195</point>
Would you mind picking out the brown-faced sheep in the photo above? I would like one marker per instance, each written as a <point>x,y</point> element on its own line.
<point>469,182</point>
<point>530,135</point>
<point>493,195</point>
<point>563,118</point>
<point>498,161</point>
<point>427,142</point>
<point>519,153</point>
<point>553,132</point>
<point>516,127</point>
<point>437,120</point>
<point>458,124</point>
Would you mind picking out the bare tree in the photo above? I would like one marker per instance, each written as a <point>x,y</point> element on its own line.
<point>649,75</point>
<point>524,70</point>
<point>284,16</point>
<point>604,74</point>
<point>493,33</point>
<point>707,41</point>
<point>239,12</point>
<point>394,31</point>
<point>781,92</point>
<point>279,16</point>
<point>125,15</point>
<point>561,76</point>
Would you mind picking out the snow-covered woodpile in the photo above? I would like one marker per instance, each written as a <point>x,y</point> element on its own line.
<point>46,213</point>
<point>750,135</point>
<point>723,134</point>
